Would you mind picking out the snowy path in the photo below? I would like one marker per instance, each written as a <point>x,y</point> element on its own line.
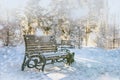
<point>90,64</point>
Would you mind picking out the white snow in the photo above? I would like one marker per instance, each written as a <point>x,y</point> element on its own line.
<point>90,64</point>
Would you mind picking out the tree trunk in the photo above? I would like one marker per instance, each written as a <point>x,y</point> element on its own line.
<point>7,38</point>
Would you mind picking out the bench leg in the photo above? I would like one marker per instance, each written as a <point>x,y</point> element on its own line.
<point>23,64</point>
<point>43,68</point>
<point>53,61</point>
<point>70,58</point>
<point>43,61</point>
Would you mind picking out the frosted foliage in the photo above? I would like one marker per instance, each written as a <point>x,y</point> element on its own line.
<point>39,32</point>
<point>1,27</point>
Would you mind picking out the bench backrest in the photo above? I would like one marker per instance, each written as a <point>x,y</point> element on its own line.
<point>66,44</point>
<point>40,44</point>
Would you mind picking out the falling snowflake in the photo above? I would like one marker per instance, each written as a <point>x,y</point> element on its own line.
<point>17,31</point>
<point>1,27</point>
<point>5,56</point>
<point>1,43</point>
<point>39,32</point>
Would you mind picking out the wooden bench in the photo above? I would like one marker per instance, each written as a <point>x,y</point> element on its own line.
<point>43,50</point>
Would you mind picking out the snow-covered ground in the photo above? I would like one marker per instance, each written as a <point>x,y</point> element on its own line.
<point>90,64</point>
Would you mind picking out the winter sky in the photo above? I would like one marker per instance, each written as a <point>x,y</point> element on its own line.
<point>10,5</point>
<point>114,6</point>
